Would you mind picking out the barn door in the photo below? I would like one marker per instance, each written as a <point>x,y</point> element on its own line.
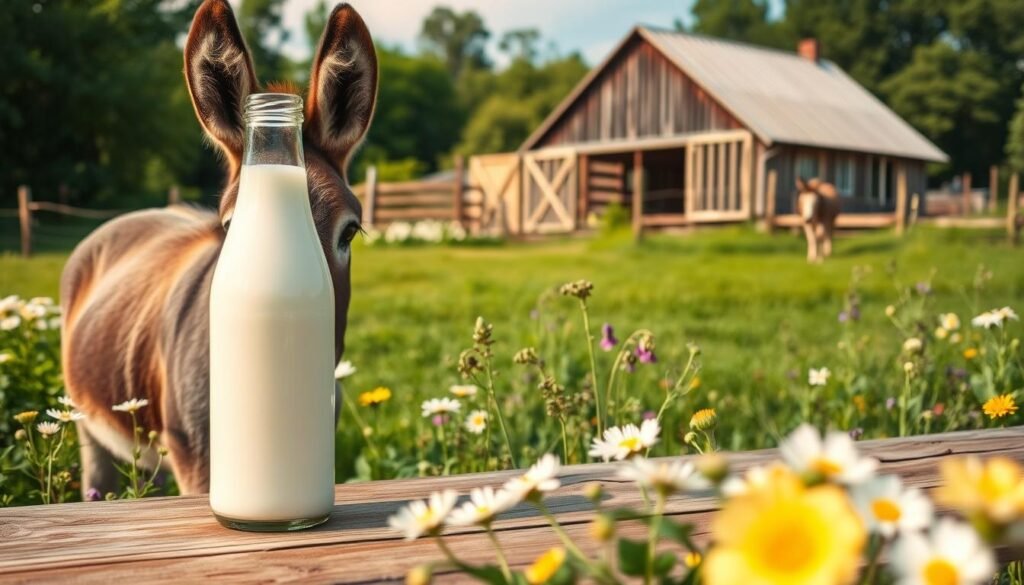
<point>549,191</point>
<point>719,176</point>
<point>497,178</point>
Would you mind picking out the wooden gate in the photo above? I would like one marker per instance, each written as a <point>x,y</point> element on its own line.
<point>497,178</point>
<point>549,191</point>
<point>718,176</point>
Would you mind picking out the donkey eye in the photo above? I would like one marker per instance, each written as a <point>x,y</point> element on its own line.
<point>347,234</point>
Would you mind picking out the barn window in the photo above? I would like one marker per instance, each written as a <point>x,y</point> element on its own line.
<point>807,166</point>
<point>844,176</point>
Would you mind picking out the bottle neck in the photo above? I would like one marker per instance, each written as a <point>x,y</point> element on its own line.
<point>273,130</point>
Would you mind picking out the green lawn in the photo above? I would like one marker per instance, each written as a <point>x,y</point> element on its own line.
<point>759,312</point>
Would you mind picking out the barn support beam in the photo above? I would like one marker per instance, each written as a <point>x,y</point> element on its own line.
<point>583,164</point>
<point>638,194</point>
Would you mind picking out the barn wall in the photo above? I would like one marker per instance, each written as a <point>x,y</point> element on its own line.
<point>640,94</point>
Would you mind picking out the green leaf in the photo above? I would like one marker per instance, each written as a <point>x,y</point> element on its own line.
<point>663,563</point>
<point>486,573</point>
<point>675,531</point>
<point>632,557</point>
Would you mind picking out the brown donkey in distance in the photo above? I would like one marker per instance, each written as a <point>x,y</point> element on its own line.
<point>135,293</point>
<point>818,205</point>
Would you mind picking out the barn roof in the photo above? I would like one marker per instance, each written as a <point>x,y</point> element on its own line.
<point>779,96</point>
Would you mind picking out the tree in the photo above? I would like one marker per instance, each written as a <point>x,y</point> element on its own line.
<point>459,39</point>
<point>261,25</point>
<point>520,44</point>
<point>742,20</point>
<point>1015,138</point>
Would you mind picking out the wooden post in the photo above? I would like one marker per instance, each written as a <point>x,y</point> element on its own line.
<point>966,194</point>
<point>371,195</point>
<point>638,194</point>
<point>901,198</point>
<point>1012,229</point>
<point>25,219</point>
<point>769,210</point>
<point>459,186</point>
<point>915,208</point>
<point>993,187</point>
<point>173,196</point>
<point>584,189</point>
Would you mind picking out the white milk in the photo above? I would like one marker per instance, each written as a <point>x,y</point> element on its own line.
<point>272,357</point>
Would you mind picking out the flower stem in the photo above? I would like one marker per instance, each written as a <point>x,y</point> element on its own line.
<point>593,366</point>
<point>869,573</point>
<point>497,413</point>
<point>500,553</point>
<point>565,442</point>
<point>600,573</point>
<point>652,537</point>
<point>904,399</point>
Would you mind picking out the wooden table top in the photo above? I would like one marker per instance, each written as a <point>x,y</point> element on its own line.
<point>176,539</point>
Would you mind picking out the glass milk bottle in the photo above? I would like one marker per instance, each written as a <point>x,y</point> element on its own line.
<point>272,339</point>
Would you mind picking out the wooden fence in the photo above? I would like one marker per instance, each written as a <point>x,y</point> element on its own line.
<point>177,539</point>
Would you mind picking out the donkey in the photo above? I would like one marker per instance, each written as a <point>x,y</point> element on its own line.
<point>818,203</point>
<point>135,293</point>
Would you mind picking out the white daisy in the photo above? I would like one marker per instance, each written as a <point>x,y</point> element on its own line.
<point>834,459</point>
<point>8,323</point>
<point>424,516</point>
<point>54,322</point>
<point>539,479</point>
<point>665,476</point>
<point>755,477</point>
<point>65,415</point>
<point>949,321</point>
<point>1009,314</point>
<point>132,405</point>
<point>994,318</point>
<point>32,310</point>
<point>888,507</point>
<point>41,325</point>
<point>483,507</point>
<point>818,377</point>
<point>912,345</point>
<point>344,370</point>
<point>952,553</point>
<point>463,390</point>
<point>476,422</point>
<point>6,356</point>
<point>440,406</point>
<point>9,304</point>
<point>66,401</point>
<point>622,442</point>
<point>48,428</point>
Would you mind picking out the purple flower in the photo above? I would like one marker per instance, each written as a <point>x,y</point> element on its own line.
<point>646,355</point>
<point>855,313</point>
<point>856,433</point>
<point>890,402</point>
<point>440,419</point>
<point>649,415</point>
<point>93,495</point>
<point>923,288</point>
<point>608,341</point>
<point>843,317</point>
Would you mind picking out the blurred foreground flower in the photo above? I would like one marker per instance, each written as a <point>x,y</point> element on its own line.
<point>665,477</point>
<point>624,442</point>
<point>344,370</point>
<point>888,507</point>
<point>541,478</point>
<point>130,406</point>
<point>990,492</point>
<point>833,459</point>
<point>951,554</point>
<point>544,568</point>
<point>424,516</point>
<point>483,507</point>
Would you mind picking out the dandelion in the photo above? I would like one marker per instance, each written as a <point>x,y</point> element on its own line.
<point>424,516</point>
<point>785,532</point>
<point>608,341</point>
<point>539,479</point>
<point>912,345</point>
<point>833,459</point>
<point>48,428</point>
<point>463,390</point>
<point>9,323</point>
<point>949,321</point>
<point>952,553</point>
<point>1000,406</point>
<point>65,416</point>
<point>623,442</point>
<point>131,406</point>
<point>26,417</point>
<point>704,419</point>
<point>344,370</point>
<point>545,567</point>
<point>440,406</point>
<point>993,489</point>
<point>483,507</point>
<point>818,377</point>
<point>970,353</point>
<point>476,422</point>
<point>375,397</point>
<point>666,477</point>
<point>692,559</point>
<point>888,507</point>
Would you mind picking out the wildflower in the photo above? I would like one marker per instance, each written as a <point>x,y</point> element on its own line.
<point>695,383</point>
<point>539,479</point>
<point>856,433</point>
<point>476,422</point>
<point>26,417</point>
<point>20,435</point>
<point>941,333</point>
<point>833,459</point>
<point>994,318</point>
<point>93,495</point>
<point>691,559</point>
<point>580,289</point>
<point>6,356</point>
<point>970,353</point>
<point>949,321</point>
<point>923,288</point>
<point>132,405</point>
<point>755,478</point>
<point>602,528</point>
<point>956,338</point>
<point>645,350</point>
<point>1000,406</point>
<point>704,419</point>
<point>483,507</point>
<point>664,476</point>
<point>463,390</point>
<point>593,492</point>
<point>65,416</point>
<point>860,403</point>
<point>908,367</point>
<point>439,420</point>
<point>939,408</point>
<point>440,406</point>
<point>66,401</point>
<point>525,356</point>
<point>469,362</point>
<point>890,311</point>
<point>482,331</point>
<point>375,397</point>
<point>424,516</point>
<point>608,341</point>
<point>888,507</point>
<point>419,575</point>
<point>843,316</point>
<point>9,323</point>
<point>993,489</point>
<point>623,442</point>
<point>48,428</point>
<point>545,567</point>
<point>912,345</point>
<point>818,377</point>
<point>784,532</point>
<point>890,403</point>
<point>713,467</point>
<point>344,370</point>
<point>952,553</point>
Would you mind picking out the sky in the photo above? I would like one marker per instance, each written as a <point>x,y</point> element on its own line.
<point>592,27</point>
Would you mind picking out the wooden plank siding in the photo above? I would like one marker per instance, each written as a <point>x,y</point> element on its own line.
<point>639,94</point>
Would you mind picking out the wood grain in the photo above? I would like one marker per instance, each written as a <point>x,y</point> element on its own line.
<point>176,539</point>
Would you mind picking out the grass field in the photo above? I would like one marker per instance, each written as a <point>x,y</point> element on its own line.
<point>760,314</point>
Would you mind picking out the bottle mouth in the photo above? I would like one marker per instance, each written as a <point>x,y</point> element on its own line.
<point>273,109</point>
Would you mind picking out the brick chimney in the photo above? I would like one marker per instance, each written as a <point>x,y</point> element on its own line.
<point>809,49</point>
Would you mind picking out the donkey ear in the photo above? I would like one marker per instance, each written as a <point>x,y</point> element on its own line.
<point>342,85</point>
<point>220,75</point>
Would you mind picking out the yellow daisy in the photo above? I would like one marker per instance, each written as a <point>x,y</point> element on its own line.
<point>1000,406</point>
<point>993,489</point>
<point>375,397</point>
<point>970,353</point>
<point>704,419</point>
<point>545,567</point>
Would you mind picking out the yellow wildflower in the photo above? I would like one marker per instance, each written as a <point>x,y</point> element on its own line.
<point>695,383</point>
<point>691,559</point>
<point>860,403</point>
<point>970,353</point>
<point>704,419</point>
<point>545,567</point>
<point>26,417</point>
<point>375,397</point>
<point>1000,406</point>
<point>993,489</point>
